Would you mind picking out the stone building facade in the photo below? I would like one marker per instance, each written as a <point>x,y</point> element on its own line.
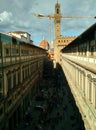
<point>21,68</point>
<point>59,41</point>
<point>79,65</point>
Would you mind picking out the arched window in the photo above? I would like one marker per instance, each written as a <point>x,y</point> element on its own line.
<point>58,40</point>
<point>57,11</point>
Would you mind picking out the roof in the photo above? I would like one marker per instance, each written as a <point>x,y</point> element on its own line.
<point>19,32</point>
<point>44,43</point>
<point>87,34</point>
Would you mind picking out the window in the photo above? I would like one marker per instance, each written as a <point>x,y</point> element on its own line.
<point>19,76</point>
<point>57,11</point>
<point>14,80</point>
<point>9,80</point>
<point>0,51</point>
<point>1,86</point>
<point>23,73</point>
<point>92,50</point>
<point>1,111</point>
<point>7,53</point>
<point>15,51</point>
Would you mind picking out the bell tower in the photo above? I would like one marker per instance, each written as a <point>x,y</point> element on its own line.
<point>57,20</point>
<point>59,41</point>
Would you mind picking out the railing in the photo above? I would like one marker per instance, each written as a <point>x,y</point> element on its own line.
<point>5,61</point>
<point>90,59</point>
<point>81,75</point>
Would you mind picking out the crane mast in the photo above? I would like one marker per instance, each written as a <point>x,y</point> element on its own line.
<point>57,21</point>
<point>57,18</point>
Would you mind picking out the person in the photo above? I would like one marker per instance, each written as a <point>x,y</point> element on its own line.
<point>36,127</point>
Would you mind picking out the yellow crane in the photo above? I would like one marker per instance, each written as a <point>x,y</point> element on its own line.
<point>62,16</point>
<point>57,18</point>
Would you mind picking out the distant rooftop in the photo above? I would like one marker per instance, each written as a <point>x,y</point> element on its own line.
<point>44,44</point>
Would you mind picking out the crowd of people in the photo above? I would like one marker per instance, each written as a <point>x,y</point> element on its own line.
<point>54,107</point>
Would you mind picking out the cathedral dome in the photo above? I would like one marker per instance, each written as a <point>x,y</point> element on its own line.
<point>44,44</point>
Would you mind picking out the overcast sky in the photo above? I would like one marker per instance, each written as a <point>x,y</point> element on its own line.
<point>19,15</point>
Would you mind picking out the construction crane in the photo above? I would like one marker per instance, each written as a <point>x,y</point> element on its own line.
<point>62,16</point>
<point>57,18</point>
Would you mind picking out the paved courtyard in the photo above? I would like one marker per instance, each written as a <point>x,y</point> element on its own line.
<point>53,108</point>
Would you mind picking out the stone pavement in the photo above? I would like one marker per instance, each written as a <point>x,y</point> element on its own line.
<point>57,109</point>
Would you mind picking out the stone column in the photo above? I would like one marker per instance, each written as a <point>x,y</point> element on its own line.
<point>84,83</point>
<point>94,92</point>
<point>12,79</point>
<point>21,74</point>
<point>89,95</point>
<point>5,85</point>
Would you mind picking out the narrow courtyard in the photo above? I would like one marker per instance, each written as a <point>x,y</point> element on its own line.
<point>53,106</point>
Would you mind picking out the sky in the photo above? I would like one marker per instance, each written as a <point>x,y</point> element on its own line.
<point>18,15</point>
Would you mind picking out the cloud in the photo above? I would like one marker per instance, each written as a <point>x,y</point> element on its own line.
<point>19,15</point>
<point>6,17</point>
